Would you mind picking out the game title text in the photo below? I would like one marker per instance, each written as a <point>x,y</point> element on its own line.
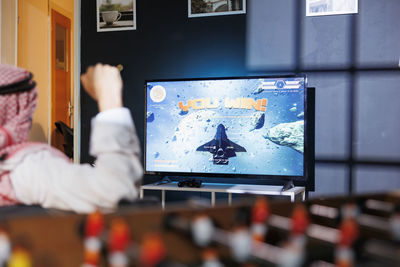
<point>237,103</point>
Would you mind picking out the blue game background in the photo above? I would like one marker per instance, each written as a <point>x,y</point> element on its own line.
<point>172,136</point>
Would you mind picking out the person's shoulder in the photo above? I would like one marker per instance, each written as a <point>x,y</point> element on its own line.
<point>36,150</point>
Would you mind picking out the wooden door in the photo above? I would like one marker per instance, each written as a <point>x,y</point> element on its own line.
<point>61,104</point>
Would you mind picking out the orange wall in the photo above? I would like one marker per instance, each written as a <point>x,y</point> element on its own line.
<point>8,31</point>
<point>34,53</point>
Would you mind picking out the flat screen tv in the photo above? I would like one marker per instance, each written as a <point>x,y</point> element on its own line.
<point>247,127</point>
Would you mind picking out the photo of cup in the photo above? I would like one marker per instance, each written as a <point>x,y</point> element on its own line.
<point>116,15</point>
<point>109,17</point>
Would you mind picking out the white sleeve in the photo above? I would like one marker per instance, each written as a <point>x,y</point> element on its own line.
<point>54,182</point>
<point>121,116</point>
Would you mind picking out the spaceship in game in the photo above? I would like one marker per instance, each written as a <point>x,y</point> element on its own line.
<point>221,147</point>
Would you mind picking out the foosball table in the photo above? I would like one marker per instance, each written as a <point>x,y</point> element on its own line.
<point>343,231</point>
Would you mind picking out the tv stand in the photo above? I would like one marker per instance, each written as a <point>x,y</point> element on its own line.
<point>269,190</point>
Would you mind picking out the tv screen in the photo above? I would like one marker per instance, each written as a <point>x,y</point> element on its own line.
<point>245,127</point>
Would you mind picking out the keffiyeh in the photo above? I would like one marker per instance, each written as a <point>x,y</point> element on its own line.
<point>18,99</point>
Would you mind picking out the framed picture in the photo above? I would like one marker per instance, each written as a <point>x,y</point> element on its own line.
<point>116,15</point>
<point>331,7</point>
<point>201,8</point>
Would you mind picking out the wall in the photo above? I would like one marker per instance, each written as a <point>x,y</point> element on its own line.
<point>8,32</point>
<point>356,126</point>
<point>353,62</point>
<point>166,44</point>
<point>34,54</point>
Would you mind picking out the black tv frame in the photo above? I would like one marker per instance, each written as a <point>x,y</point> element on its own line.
<point>308,178</point>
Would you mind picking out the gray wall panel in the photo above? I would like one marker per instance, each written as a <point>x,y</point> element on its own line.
<point>377,179</point>
<point>331,114</point>
<point>378,120</point>
<point>326,42</point>
<point>331,180</point>
<point>378,32</point>
<point>270,34</point>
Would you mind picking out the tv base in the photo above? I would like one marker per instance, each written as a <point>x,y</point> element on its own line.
<point>287,186</point>
<point>164,180</point>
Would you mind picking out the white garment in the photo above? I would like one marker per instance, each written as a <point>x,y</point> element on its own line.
<point>54,182</point>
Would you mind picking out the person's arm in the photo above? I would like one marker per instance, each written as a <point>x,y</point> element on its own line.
<point>104,84</point>
<point>54,182</point>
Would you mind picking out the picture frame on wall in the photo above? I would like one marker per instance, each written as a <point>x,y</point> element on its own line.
<point>331,7</point>
<point>116,15</point>
<point>203,8</point>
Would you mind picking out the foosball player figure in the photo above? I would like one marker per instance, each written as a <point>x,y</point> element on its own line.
<point>92,243</point>
<point>241,243</point>
<point>394,222</point>
<point>300,220</point>
<point>118,242</point>
<point>349,211</point>
<point>5,247</point>
<point>259,218</point>
<point>20,257</point>
<point>152,251</point>
<point>293,251</point>
<point>210,258</point>
<point>240,239</point>
<point>344,254</point>
<point>202,229</point>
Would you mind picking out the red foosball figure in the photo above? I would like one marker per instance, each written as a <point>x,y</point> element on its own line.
<point>349,233</point>
<point>300,220</point>
<point>293,251</point>
<point>94,224</point>
<point>152,251</point>
<point>92,244</point>
<point>259,217</point>
<point>118,242</point>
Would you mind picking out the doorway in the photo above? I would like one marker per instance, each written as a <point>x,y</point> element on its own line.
<point>61,101</point>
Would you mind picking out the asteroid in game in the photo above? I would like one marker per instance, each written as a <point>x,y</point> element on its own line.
<point>288,134</point>
<point>257,121</point>
<point>150,116</point>
<point>301,115</point>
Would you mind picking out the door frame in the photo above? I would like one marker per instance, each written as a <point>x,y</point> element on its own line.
<point>76,54</point>
<point>77,83</point>
<point>61,19</point>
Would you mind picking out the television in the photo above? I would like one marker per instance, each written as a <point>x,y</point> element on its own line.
<point>237,127</point>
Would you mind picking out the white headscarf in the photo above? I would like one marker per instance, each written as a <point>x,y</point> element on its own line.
<point>18,99</point>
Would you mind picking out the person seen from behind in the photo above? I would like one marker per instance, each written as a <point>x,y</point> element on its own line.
<point>37,174</point>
